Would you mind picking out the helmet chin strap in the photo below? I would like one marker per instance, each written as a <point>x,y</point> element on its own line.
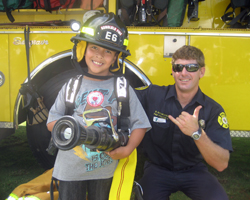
<point>84,72</point>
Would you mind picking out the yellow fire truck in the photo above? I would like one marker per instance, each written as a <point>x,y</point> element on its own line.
<point>226,52</point>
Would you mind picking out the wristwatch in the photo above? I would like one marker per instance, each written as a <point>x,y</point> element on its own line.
<point>197,134</point>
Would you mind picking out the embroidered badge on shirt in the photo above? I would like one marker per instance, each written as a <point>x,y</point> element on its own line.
<point>160,117</point>
<point>141,88</point>
<point>202,123</point>
<point>222,120</point>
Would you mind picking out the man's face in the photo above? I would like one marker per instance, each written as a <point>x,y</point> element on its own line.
<point>187,82</point>
<point>99,59</point>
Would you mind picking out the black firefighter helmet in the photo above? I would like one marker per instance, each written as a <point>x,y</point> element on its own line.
<point>105,30</point>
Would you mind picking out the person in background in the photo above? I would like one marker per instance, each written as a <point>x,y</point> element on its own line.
<point>187,128</point>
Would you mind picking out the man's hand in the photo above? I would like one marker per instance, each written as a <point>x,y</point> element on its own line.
<point>212,153</point>
<point>187,123</point>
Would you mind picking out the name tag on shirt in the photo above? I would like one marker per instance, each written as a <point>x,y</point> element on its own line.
<point>159,120</point>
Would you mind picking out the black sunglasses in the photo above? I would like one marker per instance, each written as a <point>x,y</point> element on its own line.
<point>189,67</point>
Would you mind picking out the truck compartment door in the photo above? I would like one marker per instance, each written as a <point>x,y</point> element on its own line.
<point>4,82</point>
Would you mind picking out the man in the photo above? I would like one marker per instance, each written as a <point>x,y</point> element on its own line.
<point>187,127</point>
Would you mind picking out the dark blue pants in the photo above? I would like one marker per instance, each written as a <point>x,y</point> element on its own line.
<point>76,190</point>
<point>197,183</point>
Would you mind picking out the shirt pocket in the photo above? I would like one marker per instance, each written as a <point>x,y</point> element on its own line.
<point>160,132</point>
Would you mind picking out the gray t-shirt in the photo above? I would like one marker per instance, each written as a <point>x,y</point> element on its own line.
<point>78,165</point>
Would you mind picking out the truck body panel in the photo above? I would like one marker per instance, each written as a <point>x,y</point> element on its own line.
<point>5,88</point>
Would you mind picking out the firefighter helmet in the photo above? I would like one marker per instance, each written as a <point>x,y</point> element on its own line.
<point>105,30</point>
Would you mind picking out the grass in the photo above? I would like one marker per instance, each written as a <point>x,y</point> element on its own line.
<point>17,166</point>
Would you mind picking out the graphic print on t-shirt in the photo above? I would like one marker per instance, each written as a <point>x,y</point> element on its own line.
<point>93,99</point>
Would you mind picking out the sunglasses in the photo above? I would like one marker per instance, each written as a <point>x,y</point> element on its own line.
<point>189,67</point>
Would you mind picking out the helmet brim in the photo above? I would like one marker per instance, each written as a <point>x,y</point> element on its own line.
<point>113,48</point>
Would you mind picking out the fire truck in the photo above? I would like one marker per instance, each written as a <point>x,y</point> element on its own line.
<point>48,64</point>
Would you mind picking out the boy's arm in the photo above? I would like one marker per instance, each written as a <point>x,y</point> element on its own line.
<point>51,125</point>
<point>133,142</point>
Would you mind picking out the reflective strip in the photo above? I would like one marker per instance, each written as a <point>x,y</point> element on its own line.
<point>125,42</point>
<point>15,197</point>
<point>68,90</point>
<point>12,197</point>
<point>121,84</point>
<point>29,198</point>
<point>123,178</point>
<point>72,89</point>
<point>89,31</point>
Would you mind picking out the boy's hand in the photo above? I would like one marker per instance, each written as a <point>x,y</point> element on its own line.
<point>119,153</point>
<point>124,151</point>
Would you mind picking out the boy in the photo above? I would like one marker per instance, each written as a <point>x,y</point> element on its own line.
<point>105,39</point>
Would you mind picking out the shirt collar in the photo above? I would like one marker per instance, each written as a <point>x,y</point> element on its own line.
<point>199,98</point>
<point>171,92</point>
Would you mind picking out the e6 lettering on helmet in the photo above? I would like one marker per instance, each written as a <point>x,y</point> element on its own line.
<point>111,36</point>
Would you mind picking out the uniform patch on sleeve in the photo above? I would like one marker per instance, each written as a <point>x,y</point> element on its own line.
<point>222,120</point>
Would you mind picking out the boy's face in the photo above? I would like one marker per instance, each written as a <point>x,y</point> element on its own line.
<point>99,59</point>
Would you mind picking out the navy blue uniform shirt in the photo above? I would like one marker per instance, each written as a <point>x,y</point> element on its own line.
<point>165,145</point>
